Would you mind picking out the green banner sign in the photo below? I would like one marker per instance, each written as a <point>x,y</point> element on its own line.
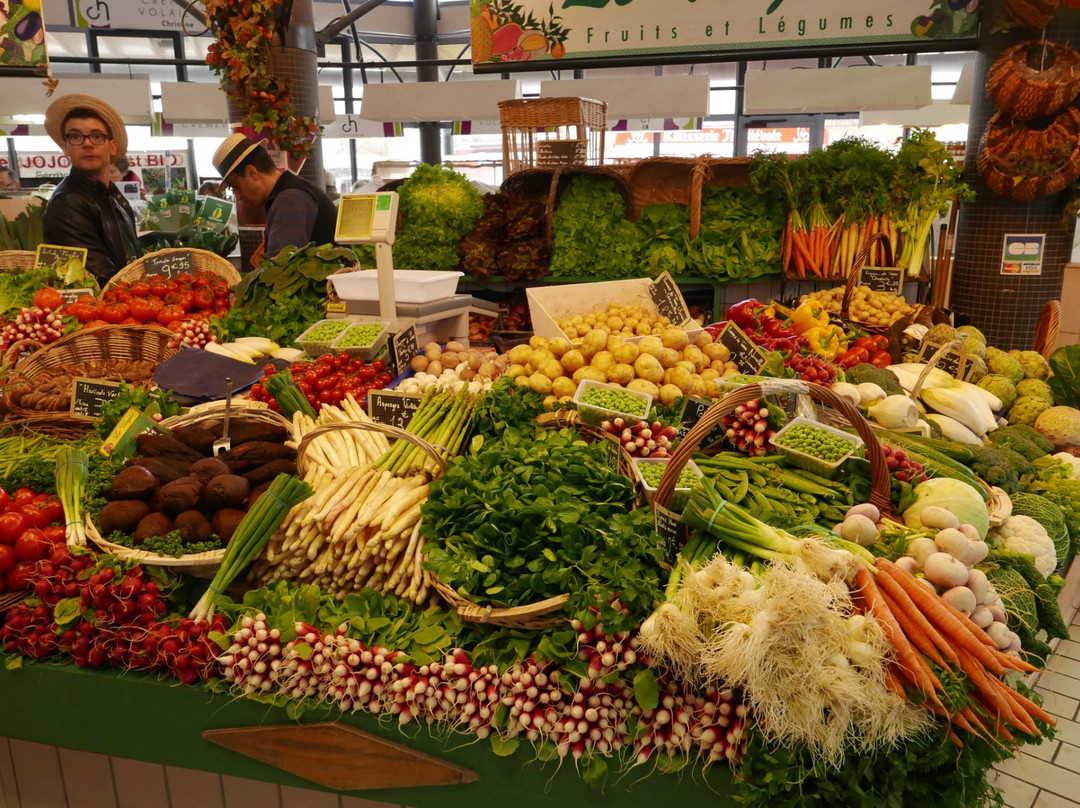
<point>524,34</point>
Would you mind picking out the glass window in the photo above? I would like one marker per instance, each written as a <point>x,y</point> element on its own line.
<point>717,139</point>
<point>945,67</point>
<point>626,147</point>
<point>722,102</point>
<point>721,74</point>
<point>63,43</point>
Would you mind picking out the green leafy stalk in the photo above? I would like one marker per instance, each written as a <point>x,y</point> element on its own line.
<point>72,472</point>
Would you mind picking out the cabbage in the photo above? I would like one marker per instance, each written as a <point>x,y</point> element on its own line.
<point>955,496</point>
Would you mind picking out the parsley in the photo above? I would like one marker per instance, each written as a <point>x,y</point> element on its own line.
<point>168,545</point>
<point>138,398</point>
<point>35,472</point>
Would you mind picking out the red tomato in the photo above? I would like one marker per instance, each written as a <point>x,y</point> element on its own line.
<point>56,534</point>
<point>5,499</point>
<point>366,374</point>
<point>55,508</point>
<point>7,558</point>
<point>20,576</point>
<point>378,364</point>
<point>115,312</point>
<point>187,300</point>
<point>205,300</point>
<point>24,496</point>
<point>220,289</point>
<point>169,314</point>
<point>158,288</point>
<point>83,312</point>
<point>95,324</point>
<point>32,546</point>
<point>146,310</point>
<point>36,516</point>
<point>48,299</point>
<point>140,289</point>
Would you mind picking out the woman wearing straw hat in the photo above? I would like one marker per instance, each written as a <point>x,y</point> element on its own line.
<point>86,209</point>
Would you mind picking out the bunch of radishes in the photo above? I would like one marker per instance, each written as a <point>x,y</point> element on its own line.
<point>642,438</point>
<point>253,660</point>
<point>902,467</point>
<point>37,324</point>
<point>194,333</point>
<point>748,428</point>
<point>711,726</point>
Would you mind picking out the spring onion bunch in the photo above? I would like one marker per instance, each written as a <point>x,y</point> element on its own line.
<point>252,534</point>
<point>72,472</point>
<point>288,396</point>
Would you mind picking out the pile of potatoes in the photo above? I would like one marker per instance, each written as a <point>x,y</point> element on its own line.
<point>629,321</point>
<point>667,365</point>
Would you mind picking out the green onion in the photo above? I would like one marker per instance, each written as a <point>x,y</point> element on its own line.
<point>72,472</point>
<point>252,535</point>
<point>288,396</point>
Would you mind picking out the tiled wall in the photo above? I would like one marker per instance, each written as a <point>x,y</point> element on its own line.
<point>1069,331</point>
<point>34,775</point>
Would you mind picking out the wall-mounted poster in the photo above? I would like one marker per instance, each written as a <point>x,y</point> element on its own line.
<point>22,39</point>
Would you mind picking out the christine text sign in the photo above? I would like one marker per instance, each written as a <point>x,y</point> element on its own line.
<point>526,34</point>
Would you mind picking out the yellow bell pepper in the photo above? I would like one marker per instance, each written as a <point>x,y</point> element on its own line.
<point>811,314</point>
<point>826,341</point>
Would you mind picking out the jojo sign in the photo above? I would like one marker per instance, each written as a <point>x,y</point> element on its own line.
<point>530,34</point>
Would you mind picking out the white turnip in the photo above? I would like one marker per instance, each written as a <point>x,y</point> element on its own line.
<point>945,570</point>
<point>960,598</point>
<point>921,548</point>
<point>938,518</point>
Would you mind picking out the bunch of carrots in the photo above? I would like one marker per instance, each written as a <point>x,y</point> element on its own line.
<point>924,628</point>
<point>856,236</point>
<point>810,245</point>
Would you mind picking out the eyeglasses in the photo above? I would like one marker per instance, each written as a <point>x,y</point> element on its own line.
<point>77,138</point>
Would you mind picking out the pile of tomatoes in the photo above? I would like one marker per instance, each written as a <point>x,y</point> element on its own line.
<point>31,526</point>
<point>329,379</point>
<point>872,348</point>
<point>155,299</point>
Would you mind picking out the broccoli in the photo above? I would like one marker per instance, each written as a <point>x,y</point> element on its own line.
<point>1046,605</point>
<point>995,467</point>
<point>1033,435</point>
<point>882,377</point>
<point>1015,437</point>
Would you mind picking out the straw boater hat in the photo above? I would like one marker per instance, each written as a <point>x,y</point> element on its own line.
<point>232,152</point>
<point>59,109</point>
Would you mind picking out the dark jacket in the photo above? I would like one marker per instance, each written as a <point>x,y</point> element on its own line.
<point>83,212</point>
<point>326,218</point>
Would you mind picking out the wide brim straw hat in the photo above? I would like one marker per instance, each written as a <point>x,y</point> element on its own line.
<point>232,151</point>
<point>60,108</point>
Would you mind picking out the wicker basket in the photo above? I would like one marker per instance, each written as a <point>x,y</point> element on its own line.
<point>562,182</point>
<point>1032,13</point>
<point>201,260</point>
<point>1046,329</point>
<point>9,600</point>
<point>526,122</point>
<point>661,180</point>
<point>879,471</point>
<point>1023,90</point>
<point>853,281</point>
<point>535,616</point>
<point>933,362</point>
<point>216,412</point>
<point>1005,137</point>
<point>14,261</point>
<point>437,455</point>
<point>149,343</point>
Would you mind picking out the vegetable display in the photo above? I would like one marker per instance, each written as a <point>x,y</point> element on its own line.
<point>590,236</point>
<point>440,207</point>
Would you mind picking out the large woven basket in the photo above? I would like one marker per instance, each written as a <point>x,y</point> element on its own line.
<point>1033,79</point>
<point>571,120</point>
<point>540,615</point>
<point>853,281</point>
<point>1005,138</point>
<point>1032,13</point>
<point>1046,329</point>
<point>661,180</point>
<point>13,261</point>
<point>149,343</point>
<point>201,260</point>
<point>562,182</point>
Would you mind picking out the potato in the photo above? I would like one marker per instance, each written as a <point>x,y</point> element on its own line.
<point>419,363</point>
<point>572,360</point>
<point>455,346</point>
<point>694,355</point>
<point>689,367</point>
<point>536,342</point>
<point>643,386</point>
<point>648,368</point>
<point>563,386</point>
<point>487,370</point>
<point>709,375</point>
<point>603,361</point>
<point>594,342</point>
<point>466,374</point>
<point>590,373</point>
<point>697,387</point>
<point>620,374</point>
<point>652,346</point>
<point>682,378</point>
<point>475,359</point>
<point>717,365</point>
<point>539,356</point>
<point>522,380</point>
<point>703,339</point>
<point>449,359</point>
<point>559,346</point>
<point>669,394</point>
<point>432,350</point>
<point>712,390</point>
<point>520,354</point>
<point>668,357</point>
<point>614,342</point>
<point>514,371</point>
<point>626,354</point>
<point>716,351</point>
<point>539,383</point>
<point>675,338</point>
<point>551,402</point>
<point>435,368</point>
<point>551,368</point>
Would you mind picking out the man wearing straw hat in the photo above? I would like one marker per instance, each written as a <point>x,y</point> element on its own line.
<point>86,209</point>
<point>296,211</point>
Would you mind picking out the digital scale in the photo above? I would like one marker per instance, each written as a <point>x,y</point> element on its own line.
<point>372,219</point>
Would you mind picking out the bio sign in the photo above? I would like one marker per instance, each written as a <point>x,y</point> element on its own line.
<point>526,34</point>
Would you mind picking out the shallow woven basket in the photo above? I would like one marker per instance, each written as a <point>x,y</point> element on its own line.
<point>1005,136</point>
<point>1032,13</point>
<point>216,412</point>
<point>1023,90</point>
<point>562,182</point>
<point>534,616</point>
<point>437,455</point>
<point>879,471</point>
<point>853,282</point>
<point>201,261</point>
<point>134,342</point>
<point>13,261</point>
<point>660,180</point>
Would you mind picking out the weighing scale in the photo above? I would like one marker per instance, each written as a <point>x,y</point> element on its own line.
<point>372,219</point>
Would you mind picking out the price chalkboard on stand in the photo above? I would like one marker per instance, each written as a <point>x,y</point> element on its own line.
<point>692,410</point>
<point>952,362</point>
<point>391,407</point>
<point>671,530</point>
<point>71,295</point>
<point>49,255</point>
<point>668,299</point>
<point>169,265</point>
<point>747,356</point>
<point>405,346</point>
<point>89,396</point>
<point>883,279</point>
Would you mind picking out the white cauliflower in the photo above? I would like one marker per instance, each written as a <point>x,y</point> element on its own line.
<point>1022,534</point>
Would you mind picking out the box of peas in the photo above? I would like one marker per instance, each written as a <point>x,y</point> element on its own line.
<point>815,447</point>
<point>649,471</point>
<point>362,340</point>
<point>318,339</point>
<point>598,402</point>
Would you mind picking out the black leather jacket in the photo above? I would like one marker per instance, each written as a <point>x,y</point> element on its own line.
<point>83,212</point>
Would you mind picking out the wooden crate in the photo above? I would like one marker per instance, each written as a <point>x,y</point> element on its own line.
<point>527,122</point>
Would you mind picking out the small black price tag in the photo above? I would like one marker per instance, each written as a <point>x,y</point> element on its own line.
<point>71,295</point>
<point>391,407</point>
<point>950,362</point>
<point>406,347</point>
<point>169,265</point>
<point>747,356</point>
<point>668,299</point>
<point>614,451</point>
<point>883,279</point>
<point>671,530</point>
<point>50,255</point>
<point>89,396</point>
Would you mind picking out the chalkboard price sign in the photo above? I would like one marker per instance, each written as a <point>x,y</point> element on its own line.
<point>693,409</point>
<point>747,356</point>
<point>406,347</point>
<point>89,396</point>
<point>950,362</point>
<point>50,255</point>
<point>668,299</point>
<point>671,530</point>
<point>391,407</point>
<point>71,295</point>
<point>883,279</point>
<point>169,265</point>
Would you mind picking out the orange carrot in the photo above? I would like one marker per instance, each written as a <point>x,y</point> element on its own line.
<point>995,702</point>
<point>893,683</point>
<point>978,727</point>
<point>787,244</point>
<point>1032,709</point>
<point>956,740</point>
<point>889,585</point>
<point>798,239</point>
<point>943,616</point>
<point>1018,710</point>
<point>911,630</point>
<point>1014,663</point>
